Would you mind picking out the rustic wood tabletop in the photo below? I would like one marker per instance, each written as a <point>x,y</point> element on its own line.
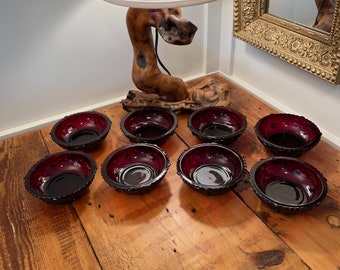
<point>173,226</point>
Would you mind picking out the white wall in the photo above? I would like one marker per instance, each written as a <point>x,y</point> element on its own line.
<point>300,11</point>
<point>284,86</point>
<point>59,57</point>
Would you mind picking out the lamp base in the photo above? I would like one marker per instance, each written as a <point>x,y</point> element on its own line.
<point>203,92</point>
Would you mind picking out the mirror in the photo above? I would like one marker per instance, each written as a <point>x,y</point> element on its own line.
<point>299,11</point>
<point>311,13</point>
<point>290,39</point>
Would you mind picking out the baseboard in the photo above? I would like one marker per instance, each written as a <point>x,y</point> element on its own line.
<point>327,136</point>
<point>52,119</point>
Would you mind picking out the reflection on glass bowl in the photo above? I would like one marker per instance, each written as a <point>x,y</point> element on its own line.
<point>62,177</point>
<point>149,125</point>
<point>211,168</point>
<point>287,134</point>
<point>83,131</point>
<point>287,184</point>
<point>135,168</point>
<point>217,124</point>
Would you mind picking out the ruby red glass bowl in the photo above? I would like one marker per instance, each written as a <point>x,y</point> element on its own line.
<point>62,177</point>
<point>84,131</point>
<point>211,168</point>
<point>135,168</point>
<point>149,125</point>
<point>287,184</point>
<point>287,134</point>
<point>217,124</point>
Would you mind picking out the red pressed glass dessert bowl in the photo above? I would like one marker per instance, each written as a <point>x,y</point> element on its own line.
<point>135,168</point>
<point>62,177</point>
<point>211,168</point>
<point>287,184</point>
<point>217,124</point>
<point>149,125</point>
<point>287,134</point>
<point>84,131</point>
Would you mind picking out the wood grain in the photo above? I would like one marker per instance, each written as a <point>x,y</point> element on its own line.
<point>34,234</point>
<point>173,226</point>
<point>314,236</point>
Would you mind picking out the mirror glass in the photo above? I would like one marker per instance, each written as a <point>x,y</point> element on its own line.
<point>304,33</point>
<point>305,12</point>
<point>300,11</point>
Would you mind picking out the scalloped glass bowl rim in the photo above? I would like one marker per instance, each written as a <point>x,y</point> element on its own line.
<point>128,188</point>
<point>217,139</point>
<point>276,203</point>
<point>55,198</point>
<point>228,184</point>
<point>152,140</point>
<point>66,144</point>
<point>278,147</point>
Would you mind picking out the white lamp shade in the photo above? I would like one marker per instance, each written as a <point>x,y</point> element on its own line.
<point>157,3</point>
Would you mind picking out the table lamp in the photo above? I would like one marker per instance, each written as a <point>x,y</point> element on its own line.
<point>156,89</point>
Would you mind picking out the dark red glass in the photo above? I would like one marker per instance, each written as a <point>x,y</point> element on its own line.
<point>217,124</point>
<point>149,125</point>
<point>211,168</point>
<point>135,168</point>
<point>287,184</point>
<point>287,134</point>
<point>62,177</point>
<point>83,131</point>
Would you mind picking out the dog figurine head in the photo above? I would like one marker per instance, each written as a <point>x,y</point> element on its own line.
<point>173,28</point>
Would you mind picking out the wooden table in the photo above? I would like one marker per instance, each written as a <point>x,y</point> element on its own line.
<point>173,227</point>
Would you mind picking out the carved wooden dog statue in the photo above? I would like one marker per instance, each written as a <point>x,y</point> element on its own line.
<point>164,90</point>
<point>173,29</point>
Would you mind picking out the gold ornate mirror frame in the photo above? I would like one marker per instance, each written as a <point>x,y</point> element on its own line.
<point>312,50</point>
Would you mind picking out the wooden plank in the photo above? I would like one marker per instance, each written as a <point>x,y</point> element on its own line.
<point>314,236</point>
<point>173,226</point>
<point>34,234</point>
<point>252,108</point>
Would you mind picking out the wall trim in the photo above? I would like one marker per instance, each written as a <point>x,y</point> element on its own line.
<point>326,135</point>
<point>54,118</point>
